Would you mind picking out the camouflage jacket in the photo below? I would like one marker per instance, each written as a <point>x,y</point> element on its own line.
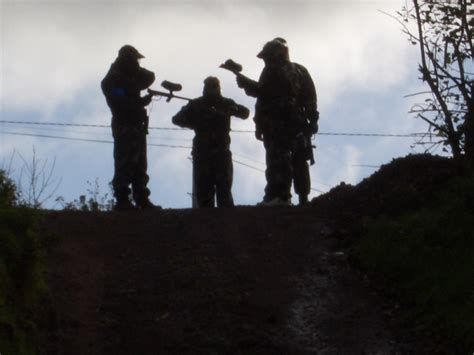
<point>210,120</point>
<point>286,98</point>
<point>121,89</point>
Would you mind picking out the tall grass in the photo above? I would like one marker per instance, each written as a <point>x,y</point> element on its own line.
<point>21,274</point>
<point>427,259</point>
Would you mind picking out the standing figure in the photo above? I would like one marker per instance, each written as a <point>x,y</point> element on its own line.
<point>121,87</point>
<point>286,116</point>
<point>209,117</point>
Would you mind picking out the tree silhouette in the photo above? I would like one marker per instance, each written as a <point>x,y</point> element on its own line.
<point>443,31</point>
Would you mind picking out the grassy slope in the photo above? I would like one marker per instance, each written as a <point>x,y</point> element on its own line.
<point>21,273</point>
<point>420,240</point>
<point>426,258</point>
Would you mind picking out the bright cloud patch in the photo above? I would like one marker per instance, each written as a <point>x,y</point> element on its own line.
<point>54,55</point>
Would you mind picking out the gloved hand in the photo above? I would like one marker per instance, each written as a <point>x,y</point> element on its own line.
<point>146,99</point>
<point>232,110</point>
<point>313,126</point>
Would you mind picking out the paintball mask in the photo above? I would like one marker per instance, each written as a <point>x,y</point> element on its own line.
<point>274,51</point>
<point>212,87</point>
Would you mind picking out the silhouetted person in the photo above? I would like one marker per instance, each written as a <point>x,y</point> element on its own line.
<point>121,87</point>
<point>285,118</point>
<point>209,117</point>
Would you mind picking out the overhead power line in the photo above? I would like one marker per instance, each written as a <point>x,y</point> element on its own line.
<point>366,166</point>
<point>111,142</point>
<point>407,135</point>
<point>86,140</point>
<point>351,134</point>
<point>82,125</point>
<point>93,134</point>
<point>248,166</point>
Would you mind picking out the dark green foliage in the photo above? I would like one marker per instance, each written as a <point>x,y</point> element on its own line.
<point>21,274</point>
<point>8,193</point>
<point>410,225</point>
<point>426,258</point>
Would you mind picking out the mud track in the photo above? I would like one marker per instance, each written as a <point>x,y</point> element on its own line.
<point>232,281</point>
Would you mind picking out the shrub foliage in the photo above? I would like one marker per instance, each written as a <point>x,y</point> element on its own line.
<point>21,273</point>
<point>426,258</point>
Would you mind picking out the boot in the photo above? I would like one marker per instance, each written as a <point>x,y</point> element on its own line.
<point>275,202</point>
<point>123,204</point>
<point>146,204</point>
<point>303,199</point>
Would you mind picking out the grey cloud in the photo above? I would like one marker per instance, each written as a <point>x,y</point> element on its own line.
<point>61,50</point>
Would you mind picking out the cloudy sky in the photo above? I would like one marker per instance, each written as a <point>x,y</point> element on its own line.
<point>55,53</point>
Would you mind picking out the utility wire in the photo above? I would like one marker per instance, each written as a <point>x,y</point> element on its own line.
<point>248,166</point>
<point>82,125</point>
<point>366,166</point>
<point>111,142</point>
<point>54,124</point>
<point>95,134</point>
<point>412,135</point>
<point>263,171</point>
<point>254,168</point>
<point>86,140</point>
<point>408,135</point>
<point>247,158</point>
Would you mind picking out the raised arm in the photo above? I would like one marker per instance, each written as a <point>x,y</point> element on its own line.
<point>239,111</point>
<point>184,117</point>
<point>250,86</point>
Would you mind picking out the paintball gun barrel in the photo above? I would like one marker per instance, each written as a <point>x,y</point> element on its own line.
<point>171,87</point>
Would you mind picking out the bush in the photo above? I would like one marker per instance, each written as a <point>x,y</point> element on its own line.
<point>21,273</point>
<point>8,193</point>
<point>93,202</point>
<point>427,259</point>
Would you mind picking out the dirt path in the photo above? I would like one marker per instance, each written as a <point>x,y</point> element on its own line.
<point>233,281</point>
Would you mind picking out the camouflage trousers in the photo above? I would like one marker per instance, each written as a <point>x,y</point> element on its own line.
<point>279,171</point>
<point>212,177</point>
<point>130,162</point>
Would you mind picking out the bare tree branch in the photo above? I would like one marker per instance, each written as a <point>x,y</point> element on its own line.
<point>41,184</point>
<point>438,127</point>
<point>452,138</point>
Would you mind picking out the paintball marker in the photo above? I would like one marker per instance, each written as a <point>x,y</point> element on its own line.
<point>242,81</point>
<point>232,66</point>
<point>171,87</point>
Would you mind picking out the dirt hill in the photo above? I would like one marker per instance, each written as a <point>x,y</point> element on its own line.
<point>247,280</point>
<point>233,281</point>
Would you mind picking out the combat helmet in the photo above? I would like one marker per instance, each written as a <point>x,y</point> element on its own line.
<point>275,50</point>
<point>130,52</point>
